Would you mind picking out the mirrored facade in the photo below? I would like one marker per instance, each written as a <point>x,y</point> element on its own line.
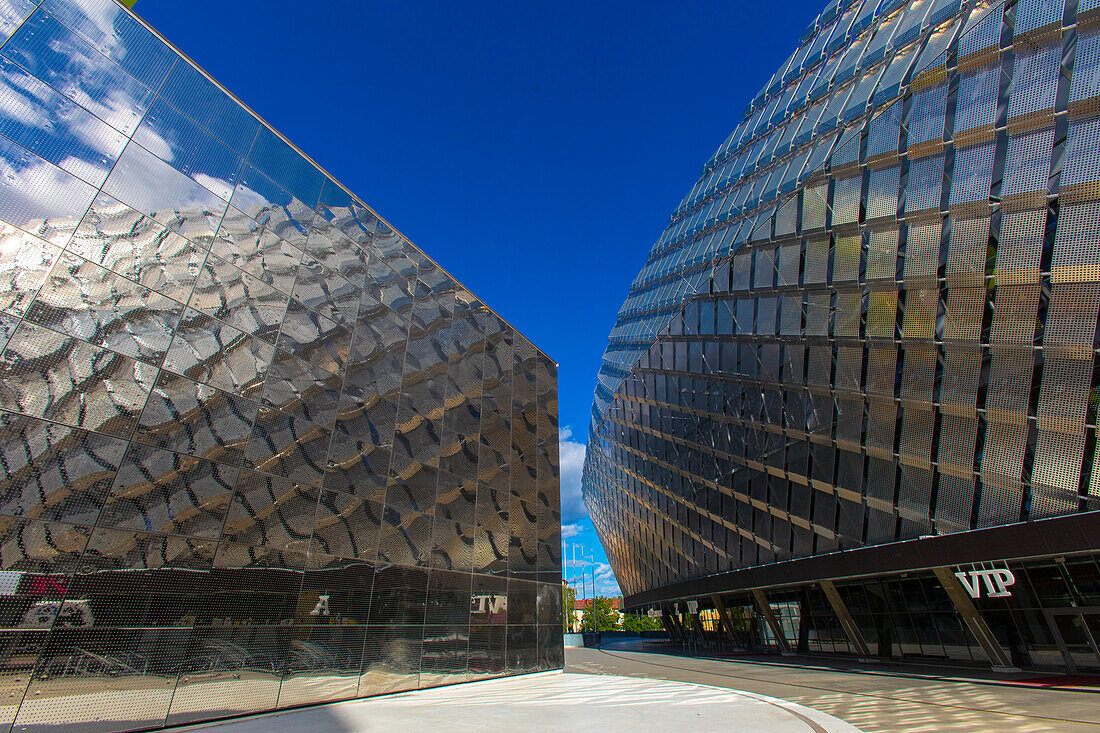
<point>873,319</point>
<point>256,449</point>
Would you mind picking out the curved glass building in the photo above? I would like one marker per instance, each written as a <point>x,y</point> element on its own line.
<point>257,450</point>
<point>850,402</point>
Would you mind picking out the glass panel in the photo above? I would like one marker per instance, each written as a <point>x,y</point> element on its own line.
<point>68,63</point>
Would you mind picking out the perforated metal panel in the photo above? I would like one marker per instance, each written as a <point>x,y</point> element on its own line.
<point>1081,165</point>
<point>926,115</point>
<point>847,257</point>
<point>977,101</point>
<point>846,200</point>
<point>1015,314</point>
<point>263,451</point>
<point>1020,247</point>
<point>882,198</point>
<point>967,251</point>
<point>1027,163</point>
<point>937,291</point>
<point>882,254</point>
<point>816,266</point>
<point>973,171</point>
<point>1034,14</point>
<point>882,307</point>
<point>1086,83</point>
<point>963,314</point>
<point>920,314</point>
<point>1035,80</point>
<point>922,251</point>
<point>925,181</point>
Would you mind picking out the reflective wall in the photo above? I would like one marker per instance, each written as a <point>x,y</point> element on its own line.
<point>256,449</point>
<point>894,329</point>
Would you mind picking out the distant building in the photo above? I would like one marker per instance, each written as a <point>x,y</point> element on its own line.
<point>579,607</point>
<point>850,400</point>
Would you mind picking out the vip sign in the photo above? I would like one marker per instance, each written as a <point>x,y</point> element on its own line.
<point>491,604</point>
<point>995,582</point>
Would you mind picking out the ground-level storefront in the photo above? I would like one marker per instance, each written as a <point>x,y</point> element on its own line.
<point>1022,596</point>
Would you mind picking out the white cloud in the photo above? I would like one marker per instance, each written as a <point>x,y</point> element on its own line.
<point>84,170</point>
<point>570,530</point>
<point>587,576</point>
<point>571,459</point>
<point>606,585</point>
<point>36,191</point>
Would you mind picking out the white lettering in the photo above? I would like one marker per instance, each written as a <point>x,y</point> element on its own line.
<point>321,609</point>
<point>996,582</point>
<point>1003,577</point>
<point>974,590</point>
<point>491,604</point>
<point>990,589</point>
<point>498,604</point>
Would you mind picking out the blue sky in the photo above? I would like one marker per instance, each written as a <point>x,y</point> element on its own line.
<point>534,149</point>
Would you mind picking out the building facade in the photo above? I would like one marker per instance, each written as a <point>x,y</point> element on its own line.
<point>258,450</point>
<point>850,402</point>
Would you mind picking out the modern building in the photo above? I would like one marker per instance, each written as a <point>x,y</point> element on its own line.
<point>850,402</point>
<point>258,450</point>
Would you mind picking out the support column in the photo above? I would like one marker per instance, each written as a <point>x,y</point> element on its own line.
<point>697,623</point>
<point>671,627</point>
<point>685,632</point>
<point>678,621</point>
<point>694,622</point>
<point>765,609</point>
<point>974,621</point>
<point>855,637</point>
<point>724,618</point>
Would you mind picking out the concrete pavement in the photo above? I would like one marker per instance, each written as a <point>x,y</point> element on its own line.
<point>552,701</point>
<point>876,703</point>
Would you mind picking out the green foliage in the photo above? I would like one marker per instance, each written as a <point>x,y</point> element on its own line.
<point>637,623</point>
<point>568,599</point>
<point>738,619</point>
<point>600,616</point>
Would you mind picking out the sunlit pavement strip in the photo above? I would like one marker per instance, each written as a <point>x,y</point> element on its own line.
<point>552,702</point>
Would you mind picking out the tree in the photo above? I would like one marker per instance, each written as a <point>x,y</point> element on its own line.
<point>600,616</point>
<point>637,622</point>
<point>568,601</point>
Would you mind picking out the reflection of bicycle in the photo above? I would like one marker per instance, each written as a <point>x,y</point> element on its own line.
<point>83,663</point>
<point>43,615</point>
<point>305,656</point>
<point>70,614</point>
<point>223,656</point>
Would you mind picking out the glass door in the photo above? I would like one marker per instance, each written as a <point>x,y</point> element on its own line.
<point>1079,633</point>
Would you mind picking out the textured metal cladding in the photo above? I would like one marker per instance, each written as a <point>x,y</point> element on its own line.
<point>258,450</point>
<point>874,317</point>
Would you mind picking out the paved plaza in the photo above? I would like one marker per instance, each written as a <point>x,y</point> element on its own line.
<point>648,686</point>
<point>916,700</point>
<point>551,701</point>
